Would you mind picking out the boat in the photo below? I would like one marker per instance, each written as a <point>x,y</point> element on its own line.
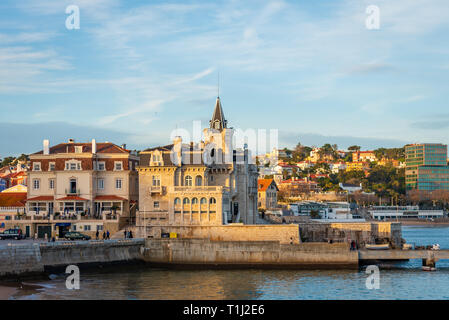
<point>385,246</point>
<point>427,268</point>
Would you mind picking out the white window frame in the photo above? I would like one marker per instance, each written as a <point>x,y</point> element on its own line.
<point>76,164</point>
<point>37,165</point>
<point>102,184</point>
<point>36,182</point>
<point>156,181</point>
<point>118,183</point>
<point>115,166</point>
<point>101,163</point>
<point>51,184</point>
<point>51,164</point>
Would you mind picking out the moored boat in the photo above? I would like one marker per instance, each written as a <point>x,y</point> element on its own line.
<point>385,246</point>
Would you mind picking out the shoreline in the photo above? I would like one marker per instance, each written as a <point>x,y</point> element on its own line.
<point>425,223</point>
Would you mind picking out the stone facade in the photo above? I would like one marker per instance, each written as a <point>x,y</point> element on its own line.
<point>198,184</point>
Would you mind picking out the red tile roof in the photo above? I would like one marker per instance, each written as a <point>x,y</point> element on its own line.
<point>110,197</point>
<point>263,184</point>
<point>13,199</point>
<point>102,147</point>
<point>72,198</point>
<point>41,198</point>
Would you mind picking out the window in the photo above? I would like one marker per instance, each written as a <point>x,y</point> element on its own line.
<point>156,181</point>
<point>73,165</point>
<point>86,228</point>
<point>51,166</point>
<point>177,201</point>
<point>212,201</point>
<point>37,166</point>
<point>118,166</point>
<point>72,185</point>
<point>101,166</point>
<point>74,227</point>
<point>199,181</point>
<point>78,149</point>
<point>186,201</point>
<point>51,183</point>
<point>195,201</point>
<point>188,181</point>
<point>36,184</point>
<point>99,227</point>
<point>100,183</point>
<point>118,183</point>
<point>156,204</point>
<point>203,200</point>
<point>156,158</point>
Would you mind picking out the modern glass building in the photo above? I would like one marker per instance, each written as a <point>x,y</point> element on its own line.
<point>426,167</point>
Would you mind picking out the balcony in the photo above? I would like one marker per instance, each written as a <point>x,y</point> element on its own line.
<point>72,192</point>
<point>156,190</point>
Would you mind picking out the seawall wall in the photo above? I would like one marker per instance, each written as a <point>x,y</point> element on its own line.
<point>204,252</point>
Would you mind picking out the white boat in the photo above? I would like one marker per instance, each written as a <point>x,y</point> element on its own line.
<point>427,268</point>
<point>385,246</point>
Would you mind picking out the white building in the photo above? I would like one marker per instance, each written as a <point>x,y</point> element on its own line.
<point>403,212</point>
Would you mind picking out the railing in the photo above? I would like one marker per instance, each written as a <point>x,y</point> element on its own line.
<point>156,189</point>
<point>11,209</point>
<point>200,189</point>
<point>72,191</point>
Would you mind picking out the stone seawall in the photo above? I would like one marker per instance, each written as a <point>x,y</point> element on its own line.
<point>21,259</point>
<point>272,254</point>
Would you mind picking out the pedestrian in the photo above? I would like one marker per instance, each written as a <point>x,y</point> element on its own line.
<point>104,235</point>
<point>97,234</point>
<point>126,233</point>
<point>107,234</point>
<point>130,234</point>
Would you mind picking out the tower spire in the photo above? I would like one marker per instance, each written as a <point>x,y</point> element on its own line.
<point>218,120</point>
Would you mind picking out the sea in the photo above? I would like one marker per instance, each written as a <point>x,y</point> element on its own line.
<point>402,281</point>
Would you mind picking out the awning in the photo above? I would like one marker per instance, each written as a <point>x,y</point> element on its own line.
<point>109,198</point>
<point>76,198</point>
<point>63,224</point>
<point>41,198</point>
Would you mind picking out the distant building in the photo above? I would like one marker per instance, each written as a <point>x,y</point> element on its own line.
<point>426,167</point>
<point>350,188</point>
<point>363,156</point>
<point>323,210</point>
<point>403,212</point>
<point>338,166</point>
<point>352,166</point>
<point>266,194</point>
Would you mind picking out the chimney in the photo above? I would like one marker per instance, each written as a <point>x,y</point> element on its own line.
<point>94,146</point>
<point>46,145</point>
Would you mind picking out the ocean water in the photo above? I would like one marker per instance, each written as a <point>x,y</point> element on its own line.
<point>404,280</point>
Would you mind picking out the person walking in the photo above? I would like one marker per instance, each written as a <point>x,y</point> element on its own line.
<point>130,234</point>
<point>107,234</point>
<point>104,235</point>
<point>97,234</point>
<point>126,233</point>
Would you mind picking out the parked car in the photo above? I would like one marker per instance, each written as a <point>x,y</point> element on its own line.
<point>16,234</point>
<point>74,235</point>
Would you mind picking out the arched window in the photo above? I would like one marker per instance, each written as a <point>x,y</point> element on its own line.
<point>203,200</point>
<point>188,181</point>
<point>177,201</point>
<point>212,201</point>
<point>186,201</point>
<point>199,181</point>
<point>195,201</point>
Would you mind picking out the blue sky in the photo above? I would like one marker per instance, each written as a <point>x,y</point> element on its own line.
<point>136,70</point>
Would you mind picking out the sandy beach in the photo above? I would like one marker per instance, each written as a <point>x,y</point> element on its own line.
<point>7,291</point>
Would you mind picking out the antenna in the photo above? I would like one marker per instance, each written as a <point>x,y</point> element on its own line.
<point>218,84</point>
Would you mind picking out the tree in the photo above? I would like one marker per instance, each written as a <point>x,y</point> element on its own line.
<point>354,148</point>
<point>7,161</point>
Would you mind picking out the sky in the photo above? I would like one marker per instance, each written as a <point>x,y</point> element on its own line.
<point>136,70</point>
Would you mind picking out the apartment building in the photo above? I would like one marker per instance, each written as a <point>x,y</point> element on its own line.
<point>267,194</point>
<point>80,187</point>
